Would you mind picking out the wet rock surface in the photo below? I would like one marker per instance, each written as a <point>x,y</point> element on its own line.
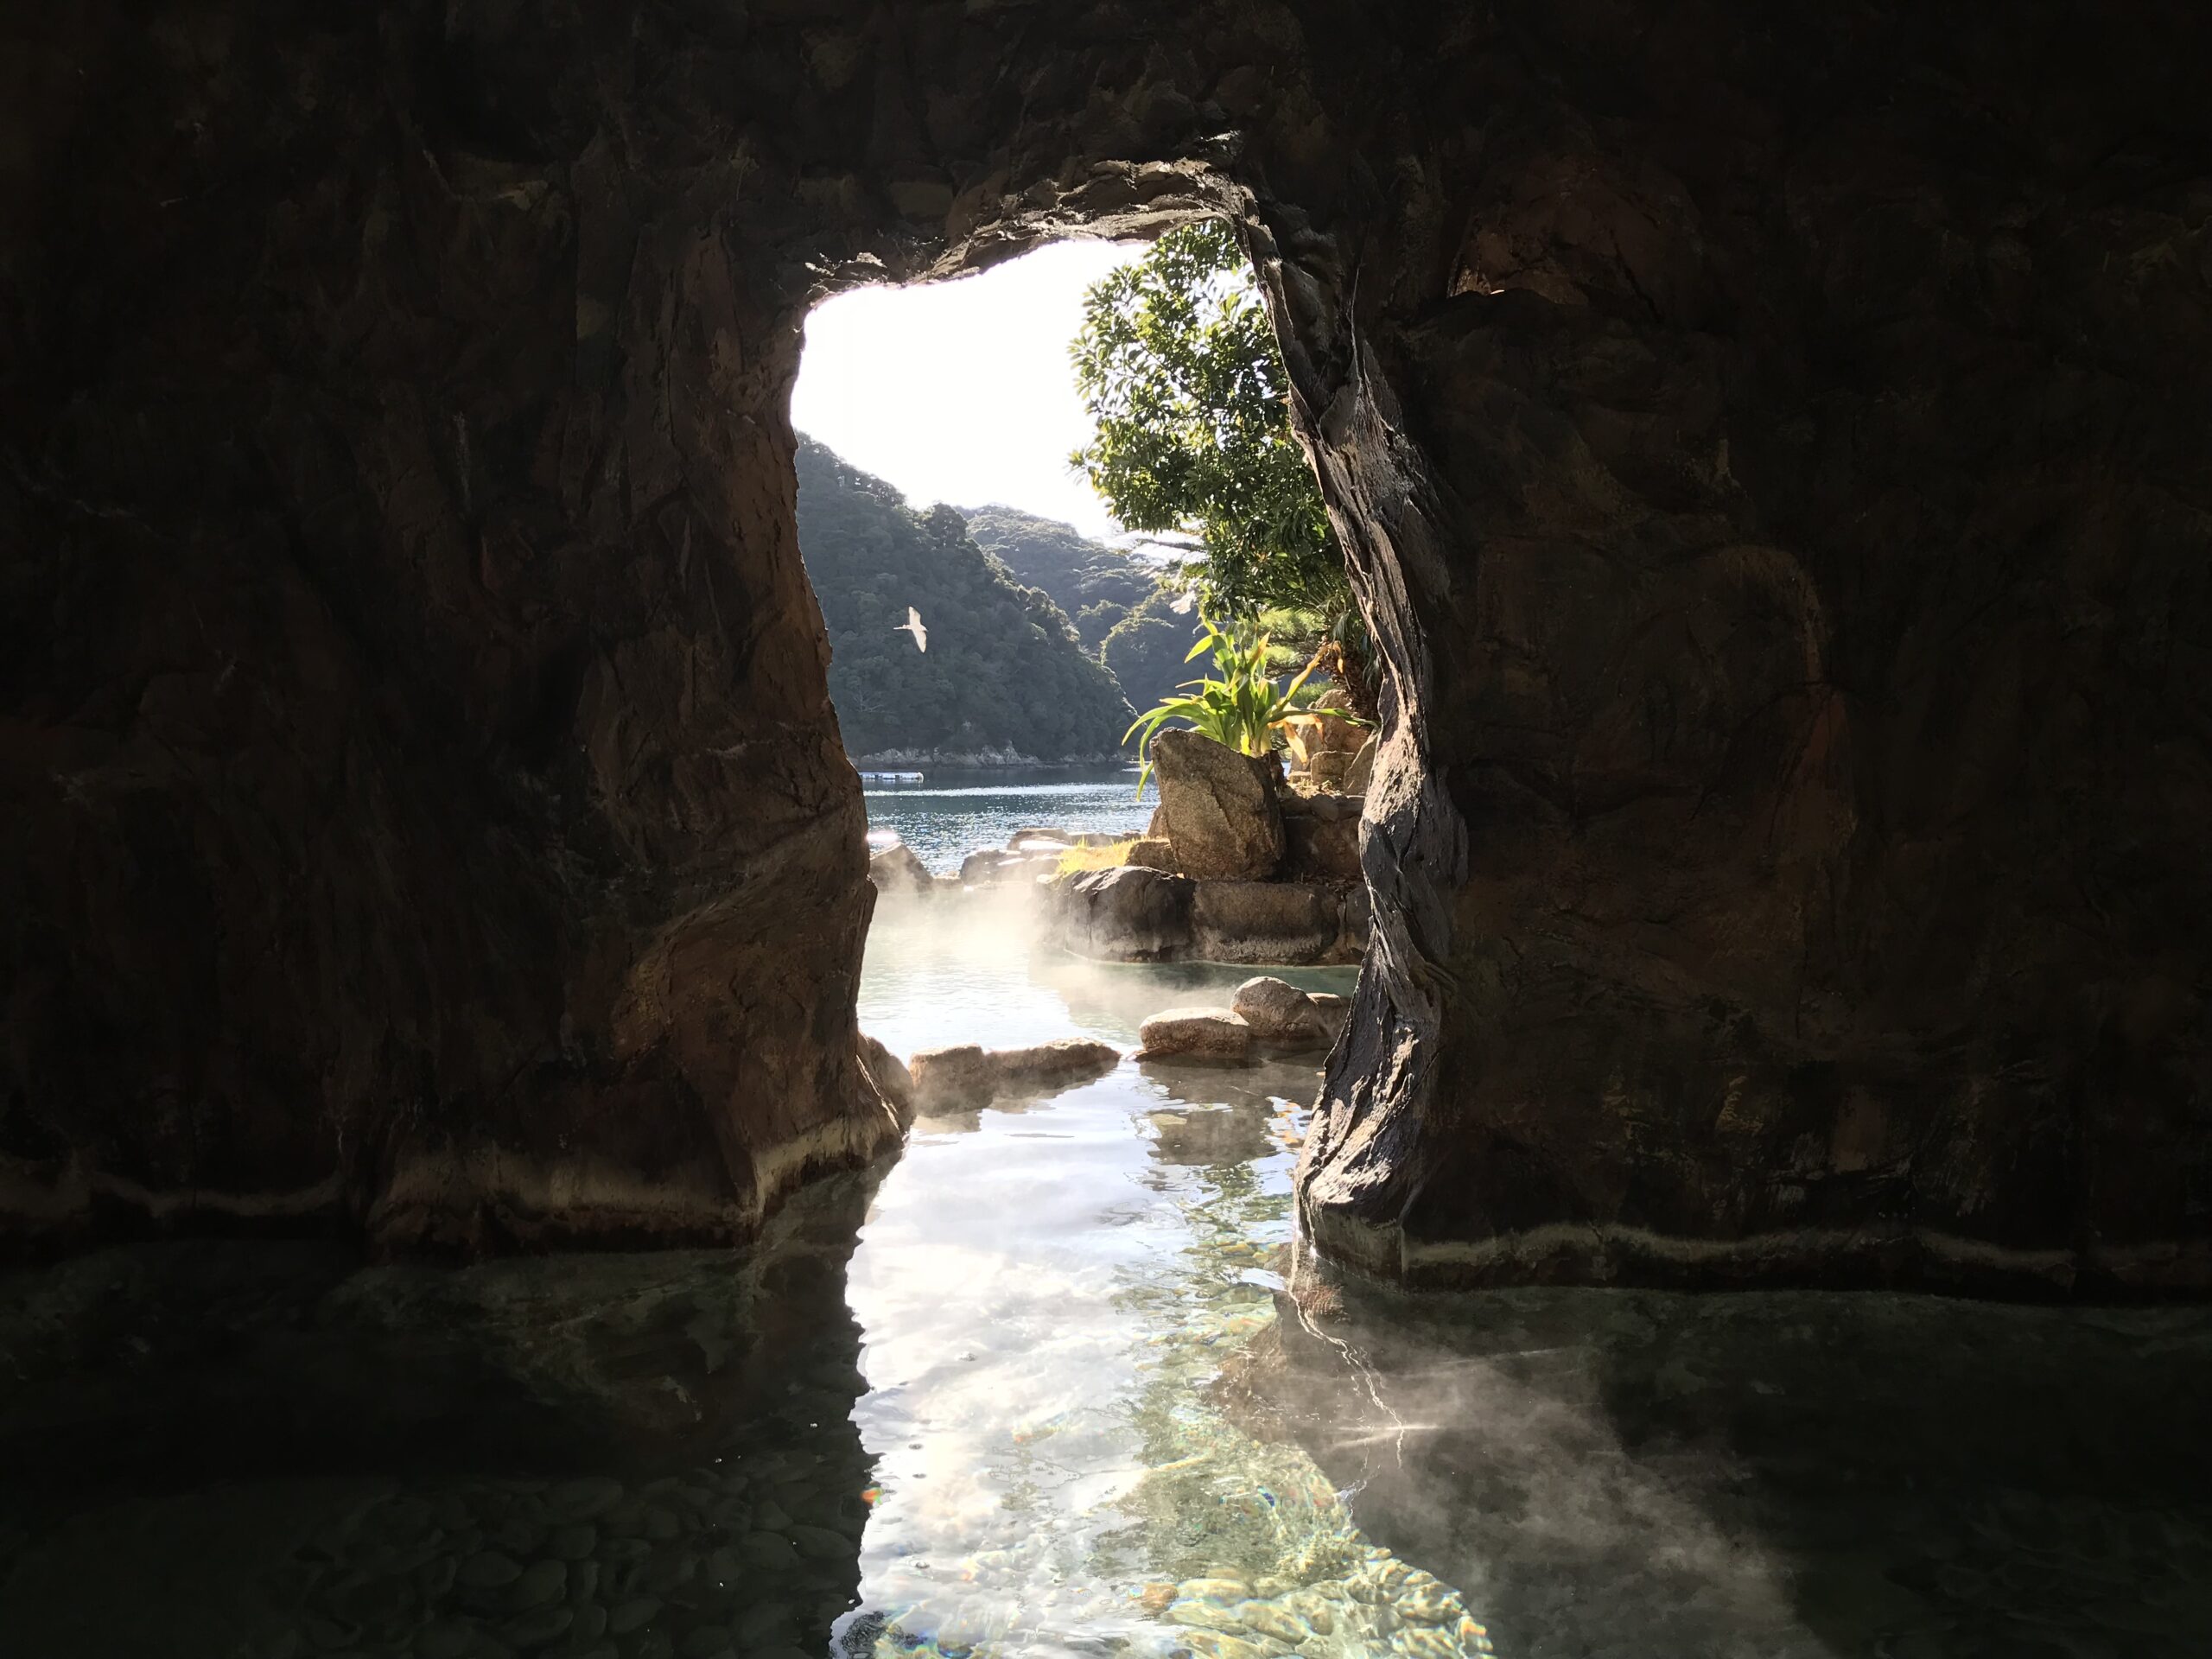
<point>645,1455</point>
<point>968,1075</point>
<point>896,871</point>
<point>1126,914</point>
<point>1132,913</point>
<point>1205,1034</point>
<point>1263,922</point>
<point>1279,1012</point>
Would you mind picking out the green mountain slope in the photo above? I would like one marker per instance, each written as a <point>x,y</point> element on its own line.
<point>1004,677</point>
<point>1146,650</point>
<point>1094,584</point>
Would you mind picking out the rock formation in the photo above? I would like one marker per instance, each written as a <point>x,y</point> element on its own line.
<point>968,1076</point>
<point>1769,444</point>
<point>1218,808</point>
<point>1195,1033</point>
<point>1279,1011</point>
<point>898,870</point>
<point>1133,913</point>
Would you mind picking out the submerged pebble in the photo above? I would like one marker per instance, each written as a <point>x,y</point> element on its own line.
<point>490,1571</point>
<point>537,1627</point>
<point>539,1583</point>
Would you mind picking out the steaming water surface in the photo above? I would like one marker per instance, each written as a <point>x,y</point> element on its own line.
<point>1030,1414</point>
<point>1048,1293</point>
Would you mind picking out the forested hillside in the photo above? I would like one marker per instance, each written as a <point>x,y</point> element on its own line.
<point>1094,584</point>
<point>1147,648</point>
<point>1004,675</point>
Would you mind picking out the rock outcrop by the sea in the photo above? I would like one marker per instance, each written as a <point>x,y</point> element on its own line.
<point>1261,922</point>
<point>967,1074</point>
<point>1219,806</point>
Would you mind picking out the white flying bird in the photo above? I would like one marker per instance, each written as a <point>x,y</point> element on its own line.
<point>913,624</point>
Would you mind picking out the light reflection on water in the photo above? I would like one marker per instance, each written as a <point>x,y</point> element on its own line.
<point>1047,1292</point>
<point>951,814</point>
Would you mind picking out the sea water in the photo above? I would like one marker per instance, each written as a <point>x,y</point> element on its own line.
<point>951,814</point>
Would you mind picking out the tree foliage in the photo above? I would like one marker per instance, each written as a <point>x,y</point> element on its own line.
<point>1004,669</point>
<point>1178,366</point>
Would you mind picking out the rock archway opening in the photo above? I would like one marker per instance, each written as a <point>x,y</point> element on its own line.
<point>428,817</point>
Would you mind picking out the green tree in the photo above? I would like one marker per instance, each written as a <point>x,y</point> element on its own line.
<point>1178,364</point>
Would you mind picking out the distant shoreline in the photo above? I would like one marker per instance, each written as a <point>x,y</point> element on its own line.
<point>982,761</point>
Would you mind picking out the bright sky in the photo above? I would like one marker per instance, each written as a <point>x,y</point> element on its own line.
<point>961,391</point>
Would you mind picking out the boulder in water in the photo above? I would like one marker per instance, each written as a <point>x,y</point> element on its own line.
<point>1199,1033</point>
<point>990,868</point>
<point>968,1075</point>
<point>890,1076</point>
<point>1220,805</point>
<point>1278,1011</point>
<point>1127,913</point>
<point>897,870</point>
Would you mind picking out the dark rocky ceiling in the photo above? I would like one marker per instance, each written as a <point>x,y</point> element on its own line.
<point>1773,445</point>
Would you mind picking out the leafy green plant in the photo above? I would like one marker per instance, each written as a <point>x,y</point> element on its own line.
<point>1241,705</point>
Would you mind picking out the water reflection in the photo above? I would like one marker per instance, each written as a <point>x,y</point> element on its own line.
<point>265,1450</point>
<point>1618,1472</point>
<point>1049,1298</point>
<point>1086,1400</point>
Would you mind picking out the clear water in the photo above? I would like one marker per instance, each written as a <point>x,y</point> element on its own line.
<point>1053,1402</point>
<point>950,814</point>
<point>1048,1291</point>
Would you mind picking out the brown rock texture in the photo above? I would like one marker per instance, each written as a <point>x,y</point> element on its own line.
<point>1128,913</point>
<point>1775,475</point>
<point>1321,836</point>
<point>1279,1011</point>
<point>1262,922</point>
<point>1195,1033</point>
<point>1222,818</point>
<point>1769,444</point>
<point>966,1074</point>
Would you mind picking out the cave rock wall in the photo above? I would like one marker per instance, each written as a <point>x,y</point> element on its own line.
<point>1771,449</point>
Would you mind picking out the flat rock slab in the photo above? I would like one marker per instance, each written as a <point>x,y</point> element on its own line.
<point>1195,1033</point>
<point>968,1075</point>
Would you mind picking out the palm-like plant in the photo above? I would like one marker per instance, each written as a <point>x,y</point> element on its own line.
<point>1240,705</point>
